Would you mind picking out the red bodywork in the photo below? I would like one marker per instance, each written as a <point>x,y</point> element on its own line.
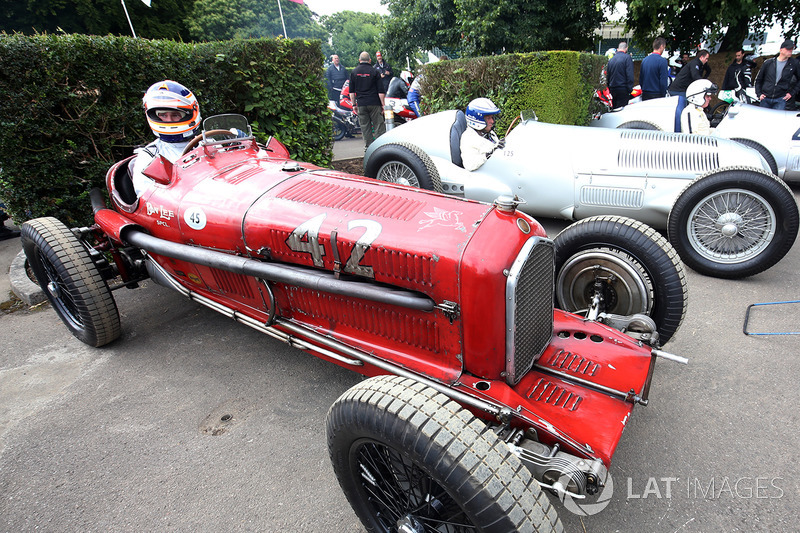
<point>254,202</point>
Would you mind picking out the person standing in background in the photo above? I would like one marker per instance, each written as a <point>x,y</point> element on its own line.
<point>385,70</point>
<point>619,74</point>
<point>653,73</point>
<point>367,94</point>
<point>336,75</point>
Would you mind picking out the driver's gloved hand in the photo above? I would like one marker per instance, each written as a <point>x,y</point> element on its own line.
<point>500,144</point>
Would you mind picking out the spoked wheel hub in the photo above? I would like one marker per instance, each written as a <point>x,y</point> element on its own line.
<point>729,224</point>
<point>398,172</point>
<point>409,524</point>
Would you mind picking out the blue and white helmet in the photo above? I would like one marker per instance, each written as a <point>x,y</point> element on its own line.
<point>478,110</point>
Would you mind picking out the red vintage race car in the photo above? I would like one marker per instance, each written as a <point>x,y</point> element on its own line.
<point>479,394</point>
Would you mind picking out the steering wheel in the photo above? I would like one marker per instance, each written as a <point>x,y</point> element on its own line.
<point>194,142</point>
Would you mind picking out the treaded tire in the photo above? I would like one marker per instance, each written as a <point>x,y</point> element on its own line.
<point>405,164</point>
<point>768,157</point>
<point>401,449</point>
<point>733,223</point>
<point>71,281</point>
<point>643,271</point>
<point>638,125</point>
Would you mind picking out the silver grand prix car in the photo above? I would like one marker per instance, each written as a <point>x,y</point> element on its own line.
<point>726,214</point>
<point>774,134</point>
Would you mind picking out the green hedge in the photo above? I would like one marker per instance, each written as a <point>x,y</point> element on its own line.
<point>72,105</point>
<point>557,85</point>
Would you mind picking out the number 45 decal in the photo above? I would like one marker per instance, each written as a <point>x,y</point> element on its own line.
<point>305,239</point>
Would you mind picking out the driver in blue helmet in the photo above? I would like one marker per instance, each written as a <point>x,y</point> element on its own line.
<point>173,114</point>
<point>479,141</point>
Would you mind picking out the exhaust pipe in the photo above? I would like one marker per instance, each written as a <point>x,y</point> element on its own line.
<point>279,273</point>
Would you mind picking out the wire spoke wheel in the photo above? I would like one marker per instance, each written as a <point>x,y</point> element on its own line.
<point>731,226</point>
<point>410,460</point>
<point>401,493</point>
<point>398,172</point>
<point>734,223</point>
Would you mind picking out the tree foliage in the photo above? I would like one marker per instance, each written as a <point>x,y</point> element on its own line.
<point>685,23</point>
<point>352,33</point>
<point>483,27</point>
<point>243,19</point>
<point>163,20</point>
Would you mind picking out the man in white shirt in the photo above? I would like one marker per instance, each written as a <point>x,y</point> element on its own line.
<point>478,141</point>
<point>693,116</point>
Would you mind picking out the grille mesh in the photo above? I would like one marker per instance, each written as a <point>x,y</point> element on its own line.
<point>530,307</point>
<point>657,150</point>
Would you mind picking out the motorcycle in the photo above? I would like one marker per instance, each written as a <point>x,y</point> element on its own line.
<point>345,123</point>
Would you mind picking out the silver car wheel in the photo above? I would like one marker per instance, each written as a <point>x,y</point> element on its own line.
<point>397,172</point>
<point>731,226</point>
<point>631,288</point>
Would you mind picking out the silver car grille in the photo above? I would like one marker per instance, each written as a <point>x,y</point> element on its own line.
<point>529,306</point>
<point>612,197</point>
<point>655,150</point>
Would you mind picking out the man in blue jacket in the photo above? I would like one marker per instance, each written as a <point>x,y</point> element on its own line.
<point>619,73</point>
<point>653,74</point>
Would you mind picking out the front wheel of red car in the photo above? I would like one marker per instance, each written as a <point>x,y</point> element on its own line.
<point>734,223</point>
<point>71,281</point>
<point>410,459</point>
<point>628,264</point>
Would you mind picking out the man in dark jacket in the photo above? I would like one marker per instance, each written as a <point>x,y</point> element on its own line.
<point>739,74</point>
<point>619,73</point>
<point>336,75</point>
<point>367,96</point>
<point>779,78</point>
<point>384,70</point>
<point>695,70</point>
<point>653,72</point>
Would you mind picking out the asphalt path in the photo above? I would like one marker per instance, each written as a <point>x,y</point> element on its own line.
<point>130,437</point>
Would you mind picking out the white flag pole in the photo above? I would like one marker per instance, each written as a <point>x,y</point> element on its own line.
<point>280,9</point>
<point>129,18</point>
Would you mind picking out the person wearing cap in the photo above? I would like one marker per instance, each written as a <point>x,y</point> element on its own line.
<point>778,81</point>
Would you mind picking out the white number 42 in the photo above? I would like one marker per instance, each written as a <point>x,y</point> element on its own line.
<point>305,239</point>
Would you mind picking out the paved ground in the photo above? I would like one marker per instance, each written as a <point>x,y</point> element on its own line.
<point>123,438</point>
<point>348,148</point>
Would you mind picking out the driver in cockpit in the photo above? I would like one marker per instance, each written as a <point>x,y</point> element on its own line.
<point>174,116</point>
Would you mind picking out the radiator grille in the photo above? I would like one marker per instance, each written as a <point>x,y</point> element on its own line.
<point>656,150</point>
<point>529,307</point>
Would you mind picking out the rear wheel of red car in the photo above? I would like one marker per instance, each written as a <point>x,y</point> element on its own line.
<point>71,281</point>
<point>766,154</point>
<point>638,125</point>
<point>410,459</point>
<point>405,164</point>
<point>734,223</point>
<point>632,266</point>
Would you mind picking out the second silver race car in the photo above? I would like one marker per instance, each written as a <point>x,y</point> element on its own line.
<point>725,212</point>
<point>774,133</point>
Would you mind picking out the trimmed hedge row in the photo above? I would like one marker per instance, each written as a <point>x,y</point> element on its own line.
<point>557,85</point>
<point>72,105</point>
